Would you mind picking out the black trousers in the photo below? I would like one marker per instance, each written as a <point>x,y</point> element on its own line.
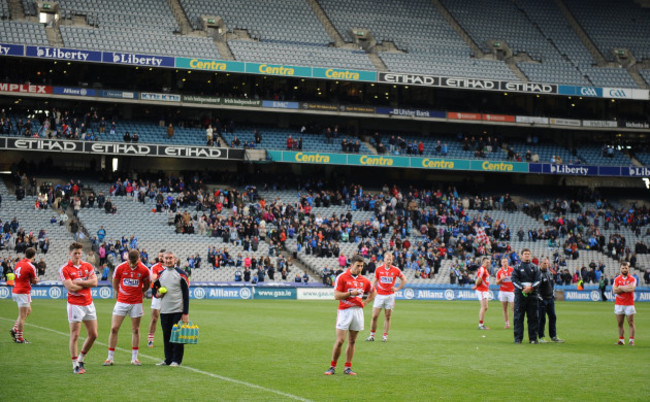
<point>173,351</point>
<point>547,307</point>
<point>525,306</point>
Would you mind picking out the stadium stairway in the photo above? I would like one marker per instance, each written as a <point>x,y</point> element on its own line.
<point>327,23</point>
<point>586,40</point>
<point>16,10</point>
<point>180,16</point>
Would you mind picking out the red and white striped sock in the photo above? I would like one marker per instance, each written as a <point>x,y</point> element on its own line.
<point>150,338</point>
<point>19,335</point>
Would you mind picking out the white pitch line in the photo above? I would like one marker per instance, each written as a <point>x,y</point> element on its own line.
<point>217,376</point>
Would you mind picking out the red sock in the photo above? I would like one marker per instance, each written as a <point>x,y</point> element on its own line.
<point>333,363</point>
<point>385,333</point>
<point>15,328</point>
<point>348,364</point>
<point>480,322</point>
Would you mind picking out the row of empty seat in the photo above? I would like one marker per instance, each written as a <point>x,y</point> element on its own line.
<point>289,32</point>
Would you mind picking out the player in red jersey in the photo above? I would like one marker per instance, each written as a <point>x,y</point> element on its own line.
<point>384,284</point>
<point>25,276</point>
<point>623,288</point>
<point>482,287</point>
<point>78,277</point>
<point>130,282</point>
<point>349,289</point>
<point>156,269</point>
<point>506,289</point>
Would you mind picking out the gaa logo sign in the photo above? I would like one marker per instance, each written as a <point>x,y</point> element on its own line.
<point>595,296</point>
<point>245,293</point>
<point>409,293</point>
<point>450,294</point>
<point>105,292</point>
<point>199,293</point>
<point>4,293</point>
<point>54,292</point>
<point>588,91</point>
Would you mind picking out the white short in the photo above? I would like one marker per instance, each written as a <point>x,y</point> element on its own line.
<point>507,296</point>
<point>132,310</point>
<point>22,299</point>
<point>350,319</point>
<point>624,310</point>
<point>155,303</point>
<point>81,313</point>
<point>482,295</point>
<point>384,301</point>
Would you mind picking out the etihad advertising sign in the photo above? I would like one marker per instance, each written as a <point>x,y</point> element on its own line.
<point>119,148</point>
<point>466,83</point>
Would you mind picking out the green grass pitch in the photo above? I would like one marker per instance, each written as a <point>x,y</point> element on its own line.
<point>278,350</point>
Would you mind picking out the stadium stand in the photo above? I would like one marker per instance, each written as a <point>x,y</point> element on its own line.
<point>417,28</point>
<point>614,25</point>
<point>149,28</point>
<point>284,32</point>
<point>278,20</point>
<point>354,221</point>
<point>32,221</point>
<point>21,32</point>
<point>485,147</point>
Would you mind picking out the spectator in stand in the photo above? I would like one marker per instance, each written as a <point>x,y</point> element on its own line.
<point>209,135</point>
<point>127,137</point>
<point>135,138</point>
<point>170,131</point>
<point>41,267</point>
<point>108,207</point>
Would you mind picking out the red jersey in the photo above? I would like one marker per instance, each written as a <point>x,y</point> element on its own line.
<point>131,282</point>
<point>24,271</point>
<point>81,272</point>
<point>506,283</point>
<point>624,299</point>
<point>156,269</point>
<point>345,283</point>
<point>386,279</point>
<point>485,276</point>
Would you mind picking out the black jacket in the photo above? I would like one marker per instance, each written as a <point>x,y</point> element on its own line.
<point>546,291</point>
<point>526,272</point>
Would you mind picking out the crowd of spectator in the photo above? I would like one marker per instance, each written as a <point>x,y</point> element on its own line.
<point>423,226</point>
